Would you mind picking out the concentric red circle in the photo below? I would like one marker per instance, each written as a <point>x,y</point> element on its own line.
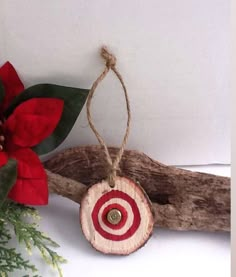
<point>124,216</point>
<point>136,215</point>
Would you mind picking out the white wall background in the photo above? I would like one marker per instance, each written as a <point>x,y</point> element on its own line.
<point>174,57</point>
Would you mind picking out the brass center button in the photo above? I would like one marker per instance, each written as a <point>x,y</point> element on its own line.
<point>114,216</point>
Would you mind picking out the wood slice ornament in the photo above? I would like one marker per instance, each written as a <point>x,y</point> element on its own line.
<point>116,220</point>
<point>115,214</point>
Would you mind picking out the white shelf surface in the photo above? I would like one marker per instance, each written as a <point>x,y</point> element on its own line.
<point>167,253</point>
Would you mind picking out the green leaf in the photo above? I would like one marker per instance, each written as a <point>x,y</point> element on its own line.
<point>74,99</point>
<point>2,91</point>
<point>8,175</point>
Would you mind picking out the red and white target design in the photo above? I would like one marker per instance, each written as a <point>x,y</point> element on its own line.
<point>127,201</point>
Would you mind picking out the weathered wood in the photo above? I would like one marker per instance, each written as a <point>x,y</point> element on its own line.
<point>66,187</point>
<point>182,200</point>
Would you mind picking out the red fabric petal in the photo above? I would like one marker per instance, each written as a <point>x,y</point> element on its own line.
<point>34,120</point>
<point>11,82</point>
<point>31,187</point>
<point>29,164</point>
<point>3,158</point>
<point>30,192</point>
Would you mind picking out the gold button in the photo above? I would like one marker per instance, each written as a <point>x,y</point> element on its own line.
<point>114,216</point>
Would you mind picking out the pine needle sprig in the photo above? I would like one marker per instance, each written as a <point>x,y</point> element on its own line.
<point>18,217</point>
<point>10,261</point>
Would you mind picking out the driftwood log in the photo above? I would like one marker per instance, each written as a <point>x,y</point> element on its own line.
<point>181,199</point>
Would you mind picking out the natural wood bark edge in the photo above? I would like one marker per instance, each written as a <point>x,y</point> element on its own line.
<point>181,199</point>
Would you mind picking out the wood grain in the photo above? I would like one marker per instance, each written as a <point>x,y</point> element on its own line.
<point>134,226</point>
<point>181,199</point>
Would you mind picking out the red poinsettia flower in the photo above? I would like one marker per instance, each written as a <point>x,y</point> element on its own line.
<point>30,123</point>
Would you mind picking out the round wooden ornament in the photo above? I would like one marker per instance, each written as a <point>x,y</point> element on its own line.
<point>115,214</point>
<point>116,220</point>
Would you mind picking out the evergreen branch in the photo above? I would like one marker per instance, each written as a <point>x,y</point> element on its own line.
<point>10,260</point>
<point>11,215</point>
<point>4,232</point>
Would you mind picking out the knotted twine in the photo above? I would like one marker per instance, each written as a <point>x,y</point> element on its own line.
<point>113,165</point>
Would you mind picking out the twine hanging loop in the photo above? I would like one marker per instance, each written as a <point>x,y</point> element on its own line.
<point>113,165</point>
<point>108,57</point>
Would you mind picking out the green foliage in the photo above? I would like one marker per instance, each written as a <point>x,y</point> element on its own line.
<point>13,219</point>
<point>8,174</point>
<point>74,99</point>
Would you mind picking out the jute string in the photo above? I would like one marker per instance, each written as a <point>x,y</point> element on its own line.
<point>113,165</point>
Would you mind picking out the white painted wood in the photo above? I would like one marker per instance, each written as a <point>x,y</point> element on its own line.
<point>132,242</point>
